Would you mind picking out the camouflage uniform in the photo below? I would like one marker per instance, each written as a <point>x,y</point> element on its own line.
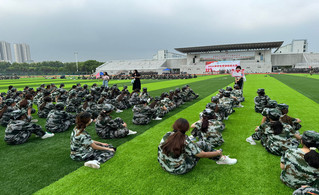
<point>168,103</point>
<point>186,161</point>
<point>107,128</point>
<point>238,94</point>
<point>71,105</point>
<point>81,149</point>
<point>7,116</point>
<point>59,121</point>
<point>135,99</point>
<point>19,131</point>
<point>278,144</point>
<point>227,102</point>
<point>306,191</point>
<point>297,171</point>
<point>142,115</point>
<point>213,136</point>
<point>45,111</point>
<point>260,103</point>
<point>92,109</point>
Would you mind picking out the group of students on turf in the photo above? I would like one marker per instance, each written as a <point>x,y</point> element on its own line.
<point>279,134</point>
<point>82,106</point>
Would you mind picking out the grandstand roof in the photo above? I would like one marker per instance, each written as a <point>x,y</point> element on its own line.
<point>231,47</point>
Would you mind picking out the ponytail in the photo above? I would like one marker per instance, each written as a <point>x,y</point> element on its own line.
<point>204,124</point>
<point>85,105</point>
<point>4,109</point>
<point>277,127</point>
<point>81,121</point>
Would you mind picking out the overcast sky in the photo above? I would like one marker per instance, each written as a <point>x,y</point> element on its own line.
<point>133,29</point>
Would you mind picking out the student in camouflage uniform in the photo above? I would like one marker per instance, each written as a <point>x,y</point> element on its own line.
<point>179,98</point>
<point>83,148</point>
<point>62,97</point>
<point>19,129</point>
<point>227,102</point>
<point>190,93</point>
<point>160,108</point>
<point>59,120</point>
<point>219,109</point>
<point>300,166</point>
<point>306,190</point>
<point>90,106</point>
<point>107,128</point>
<point>272,104</point>
<point>142,113</point>
<point>134,99</point>
<point>208,129</point>
<point>169,104</point>
<point>275,136</point>
<point>182,159</point>
<point>261,100</point>
<point>238,94</point>
<point>45,107</point>
<point>293,122</point>
<point>5,113</point>
<point>26,104</point>
<point>145,94</point>
<point>71,102</point>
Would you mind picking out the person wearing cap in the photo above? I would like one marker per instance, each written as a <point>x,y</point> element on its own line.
<point>83,148</point>
<point>45,107</point>
<point>220,93</point>
<point>160,108</point>
<point>59,120</point>
<point>90,106</point>
<point>238,94</point>
<point>5,112</point>
<point>272,104</point>
<point>143,114</point>
<point>228,103</point>
<point>177,154</point>
<point>165,100</point>
<point>145,94</point>
<point>20,129</point>
<point>71,102</point>
<point>300,166</point>
<point>107,128</point>
<point>190,93</point>
<point>261,100</point>
<point>208,129</point>
<point>219,109</point>
<point>293,122</point>
<point>62,97</point>
<point>275,136</point>
<point>134,98</point>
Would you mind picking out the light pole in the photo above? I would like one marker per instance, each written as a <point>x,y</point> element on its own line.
<point>76,61</point>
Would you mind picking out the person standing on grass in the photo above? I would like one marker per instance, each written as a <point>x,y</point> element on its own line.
<point>239,78</point>
<point>136,80</point>
<point>83,148</point>
<point>106,79</point>
<point>300,166</point>
<point>177,154</point>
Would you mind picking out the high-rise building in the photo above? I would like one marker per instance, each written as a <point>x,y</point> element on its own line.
<point>5,52</point>
<point>22,52</point>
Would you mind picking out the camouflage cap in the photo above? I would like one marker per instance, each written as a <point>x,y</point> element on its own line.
<point>208,112</point>
<point>272,104</point>
<point>3,93</point>
<point>236,86</point>
<point>85,85</point>
<point>260,90</point>
<point>221,90</point>
<point>311,137</point>
<point>171,91</point>
<point>157,98</point>
<point>165,94</point>
<point>214,99</point>
<point>124,87</point>
<point>143,100</point>
<point>211,106</point>
<point>184,88</point>
<point>282,106</point>
<point>59,106</point>
<point>17,114</point>
<point>88,97</point>
<point>103,93</point>
<point>108,107</point>
<point>229,88</point>
<point>9,101</point>
<point>274,113</point>
<point>226,93</point>
<point>144,89</point>
<point>74,93</point>
<point>178,89</point>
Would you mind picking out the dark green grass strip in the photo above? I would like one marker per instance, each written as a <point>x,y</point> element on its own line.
<point>29,167</point>
<point>304,85</point>
<point>135,170</point>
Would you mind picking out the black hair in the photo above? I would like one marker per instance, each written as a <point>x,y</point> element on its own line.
<point>238,67</point>
<point>312,158</point>
<point>277,127</point>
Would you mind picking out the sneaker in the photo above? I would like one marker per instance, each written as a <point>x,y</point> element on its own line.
<point>130,132</point>
<point>34,120</point>
<point>251,140</point>
<point>158,119</point>
<point>225,160</point>
<point>47,135</point>
<point>93,164</point>
<point>119,111</point>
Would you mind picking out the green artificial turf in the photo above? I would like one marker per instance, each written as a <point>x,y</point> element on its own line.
<point>135,170</point>
<point>314,76</point>
<point>31,166</point>
<point>304,85</point>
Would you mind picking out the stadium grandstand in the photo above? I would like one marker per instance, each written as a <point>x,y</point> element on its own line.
<point>253,57</point>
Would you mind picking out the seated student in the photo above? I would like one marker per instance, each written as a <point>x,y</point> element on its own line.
<point>90,106</point>
<point>219,109</point>
<point>20,129</point>
<point>190,93</point>
<point>272,104</point>
<point>238,94</point>
<point>26,104</point>
<point>306,190</point>
<point>59,120</point>
<point>177,154</point>
<point>208,129</point>
<point>293,122</point>
<point>145,94</point>
<point>135,99</point>
<point>160,108</point>
<point>228,102</point>
<point>107,128</point>
<point>83,148</point>
<point>275,136</point>
<point>45,107</point>
<point>62,96</point>
<point>300,166</point>
<point>143,114</point>
<point>261,100</point>
<point>71,102</point>
<point>165,100</point>
<point>120,103</point>
<point>6,111</point>
<point>178,97</point>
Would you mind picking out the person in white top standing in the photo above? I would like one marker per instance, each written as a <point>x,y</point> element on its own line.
<point>106,79</point>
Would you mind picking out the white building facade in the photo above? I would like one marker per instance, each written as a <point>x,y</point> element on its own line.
<point>5,52</point>
<point>22,53</point>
